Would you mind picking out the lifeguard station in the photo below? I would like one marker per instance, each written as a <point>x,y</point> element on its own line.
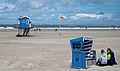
<point>82,54</point>
<point>24,25</point>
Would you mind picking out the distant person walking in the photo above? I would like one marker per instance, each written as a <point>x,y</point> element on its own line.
<point>102,61</point>
<point>110,57</point>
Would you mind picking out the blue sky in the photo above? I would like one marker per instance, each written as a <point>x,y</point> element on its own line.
<point>83,12</point>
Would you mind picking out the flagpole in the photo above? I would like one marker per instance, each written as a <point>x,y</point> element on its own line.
<point>59,28</point>
<point>61,18</point>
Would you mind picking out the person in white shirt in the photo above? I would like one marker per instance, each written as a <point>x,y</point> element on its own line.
<point>102,61</point>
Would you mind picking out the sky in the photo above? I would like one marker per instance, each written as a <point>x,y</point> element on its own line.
<point>82,12</point>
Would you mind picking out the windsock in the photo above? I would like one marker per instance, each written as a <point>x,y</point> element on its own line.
<point>61,18</point>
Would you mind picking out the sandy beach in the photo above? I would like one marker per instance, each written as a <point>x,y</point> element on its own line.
<point>47,51</point>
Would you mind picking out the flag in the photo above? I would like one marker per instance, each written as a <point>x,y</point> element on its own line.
<point>61,18</point>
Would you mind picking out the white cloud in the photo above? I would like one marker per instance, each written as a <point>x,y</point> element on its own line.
<point>81,2</point>
<point>69,2</point>
<point>51,10</point>
<point>43,16</point>
<point>92,16</point>
<point>46,16</point>
<point>4,6</point>
<point>36,4</point>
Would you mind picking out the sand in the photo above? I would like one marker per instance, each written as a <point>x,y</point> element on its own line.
<point>47,51</point>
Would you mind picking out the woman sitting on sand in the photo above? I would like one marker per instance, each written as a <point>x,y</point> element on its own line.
<point>110,57</point>
<point>102,61</point>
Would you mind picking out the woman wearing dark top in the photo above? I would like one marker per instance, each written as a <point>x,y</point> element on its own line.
<point>110,57</point>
